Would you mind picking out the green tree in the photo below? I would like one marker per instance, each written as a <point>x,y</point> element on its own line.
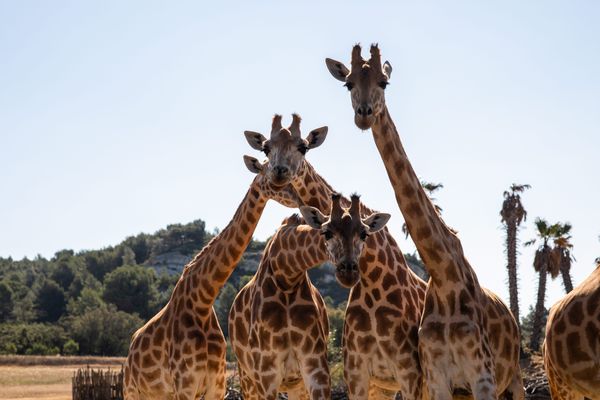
<point>244,279</point>
<point>50,302</point>
<point>185,239</point>
<point>64,273</point>
<point>223,305</point>
<point>513,214</point>
<point>6,301</point>
<point>104,331</point>
<point>128,256</point>
<point>70,348</point>
<point>88,300</point>
<point>562,254</point>
<point>544,263</point>
<point>336,330</point>
<point>24,309</point>
<point>141,246</point>
<point>131,289</point>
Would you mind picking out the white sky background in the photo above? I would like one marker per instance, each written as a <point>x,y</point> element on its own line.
<point>119,118</point>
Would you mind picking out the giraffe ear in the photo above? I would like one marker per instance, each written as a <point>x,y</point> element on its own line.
<point>387,69</point>
<point>253,164</point>
<point>255,140</point>
<point>337,69</point>
<point>376,221</point>
<point>316,137</point>
<point>314,218</point>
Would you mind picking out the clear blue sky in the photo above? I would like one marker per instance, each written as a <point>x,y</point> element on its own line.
<point>122,117</point>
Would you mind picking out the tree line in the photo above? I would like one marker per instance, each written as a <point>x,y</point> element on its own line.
<point>90,302</point>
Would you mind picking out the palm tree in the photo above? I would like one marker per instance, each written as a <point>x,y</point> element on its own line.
<point>562,254</point>
<point>513,213</point>
<point>544,264</point>
<point>430,188</point>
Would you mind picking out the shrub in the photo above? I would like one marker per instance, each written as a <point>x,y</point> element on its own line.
<point>70,348</point>
<point>40,349</point>
<point>8,348</point>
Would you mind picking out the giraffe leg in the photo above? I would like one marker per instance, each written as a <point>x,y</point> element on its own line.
<point>131,392</point>
<point>268,386</point>
<point>515,390</point>
<point>216,382</point>
<point>299,393</point>
<point>187,385</point>
<point>558,388</point>
<point>357,380</point>
<point>436,386</point>
<point>248,389</point>
<point>315,373</point>
<point>377,393</point>
<point>484,388</point>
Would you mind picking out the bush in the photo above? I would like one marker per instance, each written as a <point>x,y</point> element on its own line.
<point>32,338</point>
<point>8,348</point>
<point>40,349</point>
<point>70,348</point>
<point>104,331</point>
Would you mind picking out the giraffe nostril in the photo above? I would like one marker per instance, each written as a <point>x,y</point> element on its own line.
<point>369,111</point>
<point>359,111</point>
<point>280,171</point>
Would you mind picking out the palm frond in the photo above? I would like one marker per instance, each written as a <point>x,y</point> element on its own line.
<point>529,242</point>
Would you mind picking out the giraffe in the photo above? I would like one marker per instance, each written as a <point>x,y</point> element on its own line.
<point>180,352</point>
<point>278,321</point>
<point>468,339</point>
<point>386,299</point>
<point>572,345</point>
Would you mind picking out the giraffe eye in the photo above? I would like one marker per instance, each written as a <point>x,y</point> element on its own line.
<point>266,150</point>
<point>364,235</point>
<point>349,85</point>
<point>383,84</point>
<point>328,235</point>
<point>302,148</point>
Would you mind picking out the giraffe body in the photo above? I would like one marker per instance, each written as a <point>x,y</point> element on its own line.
<point>180,352</point>
<point>468,339</point>
<point>278,322</point>
<point>572,345</point>
<point>384,308</point>
<point>381,324</point>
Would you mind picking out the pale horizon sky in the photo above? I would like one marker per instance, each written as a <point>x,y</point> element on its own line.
<point>119,118</point>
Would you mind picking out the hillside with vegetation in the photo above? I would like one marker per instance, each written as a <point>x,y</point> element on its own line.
<point>90,302</point>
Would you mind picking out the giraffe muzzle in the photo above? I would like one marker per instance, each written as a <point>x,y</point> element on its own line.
<point>280,176</point>
<point>364,121</point>
<point>347,274</point>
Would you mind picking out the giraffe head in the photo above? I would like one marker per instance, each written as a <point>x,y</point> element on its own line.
<point>285,149</point>
<point>345,233</point>
<point>366,81</point>
<point>285,195</point>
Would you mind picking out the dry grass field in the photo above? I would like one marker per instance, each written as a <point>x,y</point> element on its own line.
<point>47,378</point>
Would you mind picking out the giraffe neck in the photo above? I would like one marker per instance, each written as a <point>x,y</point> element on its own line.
<point>206,274</point>
<point>312,188</point>
<point>293,250</point>
<point>437,245</point>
